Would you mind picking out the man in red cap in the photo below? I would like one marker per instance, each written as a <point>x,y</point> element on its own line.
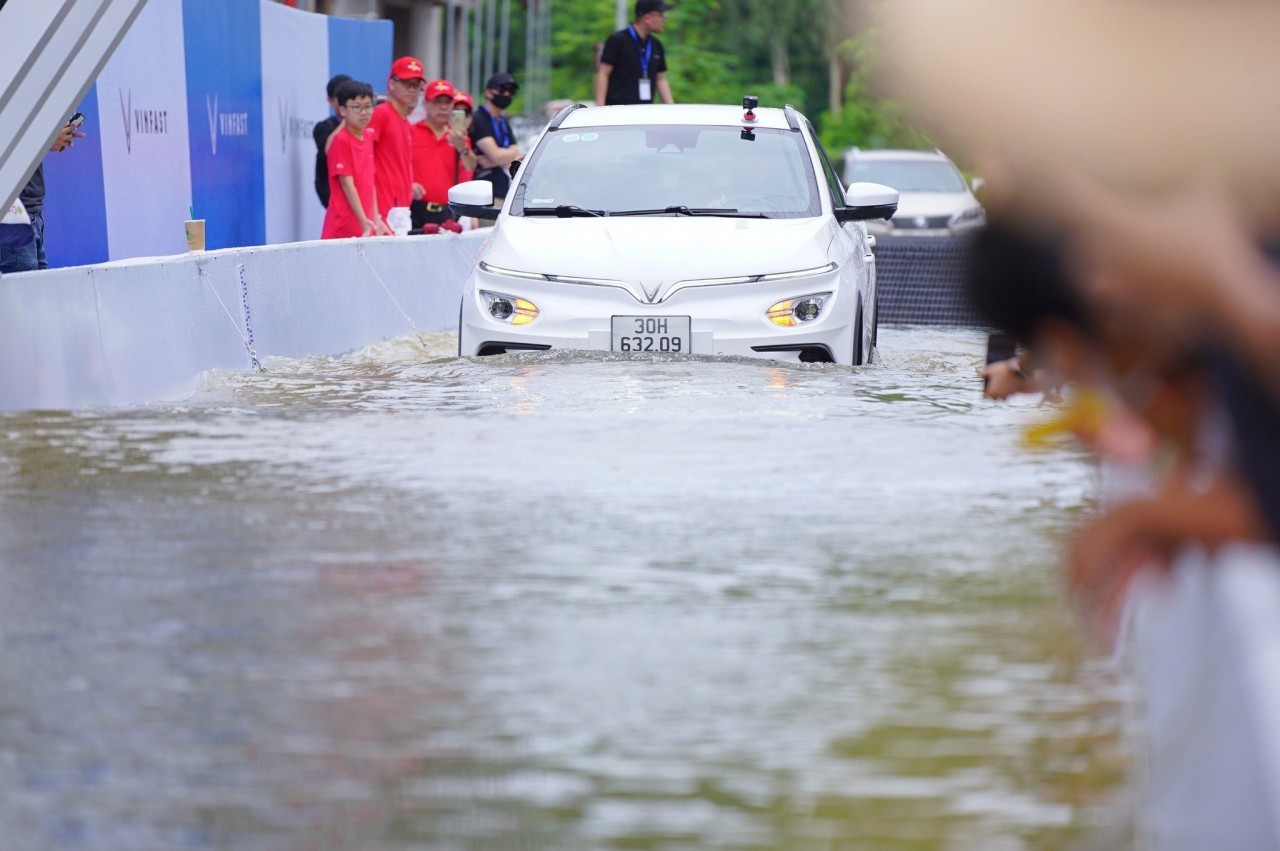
<point>439,154</point>
<point>393,136</point>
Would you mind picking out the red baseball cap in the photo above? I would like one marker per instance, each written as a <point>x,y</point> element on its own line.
<point>407,68</point>
<point>439,89</point>
<point>463,99</point>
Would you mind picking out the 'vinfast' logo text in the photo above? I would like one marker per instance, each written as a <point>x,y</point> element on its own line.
<point>144,122</point>
<point>224,123</point>
<point>292,127</point>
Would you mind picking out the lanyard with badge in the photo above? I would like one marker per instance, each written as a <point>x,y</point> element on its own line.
<point>501,130</point>
<point>646,52</point>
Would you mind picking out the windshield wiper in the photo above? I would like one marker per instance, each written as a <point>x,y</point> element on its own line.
<point>564,211</point>
<point>681,210</point>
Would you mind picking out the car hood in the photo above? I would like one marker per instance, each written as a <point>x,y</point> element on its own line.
<point>933,203</point>
<point>659,249</point>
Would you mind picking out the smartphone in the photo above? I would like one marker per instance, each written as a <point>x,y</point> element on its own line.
<point>1000,346</point>
<point>76,120</point>
<point>458,120</point>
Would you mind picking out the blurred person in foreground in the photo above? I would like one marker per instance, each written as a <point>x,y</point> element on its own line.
<point>440,153</point>
<point>1148,392</point>
<point>1145,177</point>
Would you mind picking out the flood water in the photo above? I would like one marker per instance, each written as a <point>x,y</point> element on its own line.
<point>401,600</point>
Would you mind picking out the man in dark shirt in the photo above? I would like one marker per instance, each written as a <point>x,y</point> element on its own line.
<point>633,64</point>
<point>321,133</point>
<point>492,137</point>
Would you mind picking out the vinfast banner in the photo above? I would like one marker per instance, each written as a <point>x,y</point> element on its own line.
<point>294,73</point>
<point>142,114</point>
<point>206,106</point>
<point>224,95</point>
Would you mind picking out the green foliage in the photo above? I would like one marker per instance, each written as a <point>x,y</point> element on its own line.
<point>865,120</point>
<point>720,50</point>
<point>578,27</point>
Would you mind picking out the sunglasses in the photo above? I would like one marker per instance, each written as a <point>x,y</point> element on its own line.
<point>411,84</point>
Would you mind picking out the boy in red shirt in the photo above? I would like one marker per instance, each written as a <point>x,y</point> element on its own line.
<point>353,199</point>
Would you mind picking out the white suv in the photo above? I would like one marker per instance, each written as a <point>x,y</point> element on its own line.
<point>934,199</point>
<point>675,230</point>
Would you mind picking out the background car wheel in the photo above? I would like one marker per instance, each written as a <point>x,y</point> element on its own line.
<point>857,335</point>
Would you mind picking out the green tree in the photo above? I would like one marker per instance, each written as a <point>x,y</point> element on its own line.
<point>865,120</point>
<point>720,50</point>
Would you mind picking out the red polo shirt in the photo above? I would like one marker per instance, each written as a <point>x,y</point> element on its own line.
<point>354,157</point>
<point>435,163</point>
<point>392,158</point>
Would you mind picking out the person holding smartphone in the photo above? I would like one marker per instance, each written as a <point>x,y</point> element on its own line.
<point>30,257</point>
<point>463,106</point>
<point>441,152</point>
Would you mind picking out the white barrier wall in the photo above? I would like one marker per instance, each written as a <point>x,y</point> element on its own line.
<point>139,331</point>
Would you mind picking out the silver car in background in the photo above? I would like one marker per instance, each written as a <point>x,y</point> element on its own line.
<point>933,197</point>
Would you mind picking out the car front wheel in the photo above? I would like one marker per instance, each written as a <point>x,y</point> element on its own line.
<point>875,328</point>
<point>857,335</point>
<point>462,301</point>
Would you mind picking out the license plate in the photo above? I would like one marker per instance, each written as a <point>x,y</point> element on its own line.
<point>662,334</point>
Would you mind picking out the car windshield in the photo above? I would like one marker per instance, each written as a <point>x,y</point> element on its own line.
<point>648,169</point>
<point>909,176</point>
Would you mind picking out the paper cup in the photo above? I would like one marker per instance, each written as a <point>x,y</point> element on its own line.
<point>195,234</point>
<point>399,220</point>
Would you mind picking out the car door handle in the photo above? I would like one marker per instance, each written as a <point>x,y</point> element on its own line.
<point>871,240</point>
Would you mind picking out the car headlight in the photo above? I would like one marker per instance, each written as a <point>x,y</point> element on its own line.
<point>971,216</point>
<point>508,308</point>
<point>510,273</point>
<point>799,310</point>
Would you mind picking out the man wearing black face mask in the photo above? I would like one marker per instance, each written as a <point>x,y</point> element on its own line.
<point>492,137</point>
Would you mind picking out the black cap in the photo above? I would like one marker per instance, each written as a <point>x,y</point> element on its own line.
<point>500,79</point>
<point>644,7</point>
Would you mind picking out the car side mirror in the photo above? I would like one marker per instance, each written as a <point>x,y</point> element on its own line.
<point>473,198</point>
<point>868,201</point>
<point>977,184</point>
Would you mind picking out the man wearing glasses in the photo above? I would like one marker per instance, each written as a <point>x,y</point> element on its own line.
<point>492,137</point>
<point>633,63</point>
<point>393,136</point>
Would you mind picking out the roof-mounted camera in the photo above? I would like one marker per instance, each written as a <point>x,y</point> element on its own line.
<point>749,103</point>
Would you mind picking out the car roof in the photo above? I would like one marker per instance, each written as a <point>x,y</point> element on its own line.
<point>680,113</point>
<point>897,155</point>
